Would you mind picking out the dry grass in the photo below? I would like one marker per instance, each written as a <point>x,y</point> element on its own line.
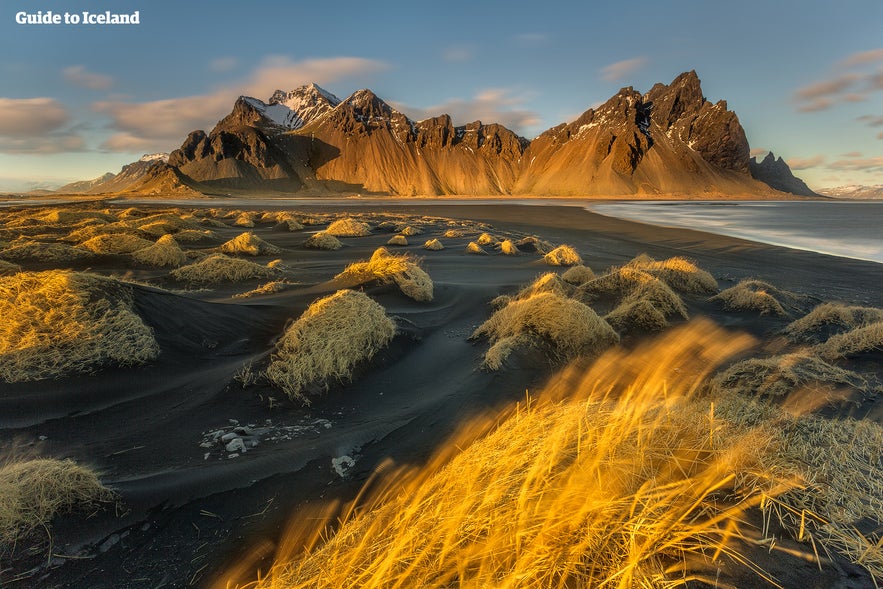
<point>8,268</point>
<point>636,315</point>
<point>33,491</point>
<point>397,240</point>
<point>433,245</point>
<point>385,267</point>
<point>830,319</point>
<point>578,274</point>
<point>245,219</point>
<point>68,217</point>
<point>411,230</point>
<point>348,227</point>
<point>268,288</point>
<point>534,244</point>
<point>82,234</point>
<point>548,282</point>
<point>220,268</point>
<point>26,250</point>
<point>564,328</point>
<point>474,248</point>
<point>563,255</point>
<point>754,295</point>
<point>323,241</point>
<point>635,292</point>
<point>487,239</point>
<point>858,341</point>
<point>618,476</point>
<point>59,323</point>
<point>679,273</point>
<point>164,253</point>
<point>332,337</point>
<point>194,235</point>
<point>508,248</point>
<point>453,233</point>
<point>251,244</point>
<point>115,244</point>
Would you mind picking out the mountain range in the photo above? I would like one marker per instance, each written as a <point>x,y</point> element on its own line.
<point>667,141</point>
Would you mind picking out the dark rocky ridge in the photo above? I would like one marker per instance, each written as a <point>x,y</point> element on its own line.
<point>776,173</point>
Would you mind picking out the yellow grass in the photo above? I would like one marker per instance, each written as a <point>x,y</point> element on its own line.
<point>433,245</point>
<point>564,328</point>
<point>194,235</point>
<point>578,274</point>
<point>220,268</point>
<point>633,290</point>
<point>753,295</point>
<point>563,255</point>
<point>679,273</point>
<point>548,282</point>
<point>34,490</point>
<point>348,227</point>
<point>164,253</point>
<point>508,248</point>
<point>245,219</point>
<point>487,239</point>
<point>618,476</point>
<point>411,230</point>
<point>249,243</point>
<point>385,267</point>
<point>397,240</point>
<point>861,340</point>
<point>26,250</point>
<point>534,244</point>
<point>69,217</point>
<point>636,315</point>
<point>59,323</point>
<point>323,241</point>
<point>268,288</point>
<point>829,319</point>
<point>332,337</point>
<point>115,244</point>
<point>453,233</point>
<point>82,234</point>
<point>474,248</point>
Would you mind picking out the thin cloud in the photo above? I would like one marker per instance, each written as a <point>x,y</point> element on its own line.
<point>827,88</point>
<point>622,69</point>
<point>798,163</point>
<point>871,164</point>
<point>863,58</point>
<point>458,53</point>
<point>491,105</point>
<point>78,75</point>
<point>162,124</point>
<point>30,117</point>
<point>758,151</point>
<point>853,154</point>
<point>871,120</point>
<point>879,135</point>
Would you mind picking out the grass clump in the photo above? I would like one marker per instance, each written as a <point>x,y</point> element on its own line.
<point>249,243</point>
<point>487,239</point>
<point>474,248</point>
<point>433,245</point>
<point>642,302</point>
<point>221,268</point>
<point>58,323</point>
<point>411,230</point>
<point>563,255</point>
<point>323,241</point>
<point>268,288</point>
<point>385,267</point>
<point>578,275</point>
<point>636,315</point>
<point>565,328</point>
<point>508,248</point>
<point>534,244</point>
<point>245,219</point>
<point>115,244</point>
<point>35,490</point>
<point>27,250</point>
<point>348,227</point>
<point>332,337</point>
<point>397,240</point>
<point>164,253</point>
<point>830,319</point>
<point>855,342</point>
<point>453,233</point>
<point>679,273</point>
<point>754,295</point>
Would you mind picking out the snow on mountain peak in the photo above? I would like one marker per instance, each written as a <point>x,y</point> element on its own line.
<point>154,157</point>
<point>295,108</point>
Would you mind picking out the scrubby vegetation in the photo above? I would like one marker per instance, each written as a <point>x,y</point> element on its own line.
<point>861,340</point>
<point>563,255</point>
<point>404,270</point>
<point>115,244</point>
<point>578,275</point>
<point>221,268</point>
<point>250,244</point>
<point>474,248</point>
<point>433,245</point>
<point>754,295</point>
<point>164,253</point>
<point>348,227</point>
<point>397,240</point>
<point>323,241</point>
<point>508,248</point>
<point>830,319</point>
<point>679,273</point>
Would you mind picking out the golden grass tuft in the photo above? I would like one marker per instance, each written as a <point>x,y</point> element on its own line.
<point>830,319</point>
<point>633,291</point>
<point>268,288</point>
<point>534,244</point>
<point>474,248</point>
<point>578,275</point>
<point>753,295</point>
<point>615,476</point>
<point>453,233</point>
<point>164,253</point>
<point>82,234</point>
<point>861,340</point>
<point>249,243</point>
<point>332,337</point>
<point>65,217</point>
<point>323,241</point>
<point>27,250</point>
<point>487,239</point>
<point>547,282</point>
<point>35,490</point>
<point>679,273</point>
<point>385,267</point>
<point>563,327</point>
<point>636,315</point>
<point>8,268</point>
<point>221,268</point>
<point>245,219</point>
<point>433,245</point>
<point>411,230</point>
<point>194,235</point>
<point>348,227</point>
<point>397,240</point>
<point>58,323</point>
<point>563,255</point>
<point>115,244</point>
<point>508,248</point>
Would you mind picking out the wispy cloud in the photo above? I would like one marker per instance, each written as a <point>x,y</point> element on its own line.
<point>853,154</point>
<point>78,75</point>
<point>871,120</point>
<point>870,164</point>
<point>863,58</point>
<point>162,124</point>
<point>622,69</point>
<point>799,163</point>
<point>36,126</point>
<point>851,86</point>
<point>491,105</point>
<point>458,53</point>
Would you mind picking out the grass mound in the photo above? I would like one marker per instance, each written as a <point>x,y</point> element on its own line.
<point>508,248</point>
<point>642,301</point>
<point>861,340</point>
<point>397,240</point>
<point>268,288</point>
<point>194,235</point>
<point>385,267</point>
<point>563,255</point>
<point>27,250</point>
<point>563,327</point>
<point>534,244</point>
<point>249,243</point>
<point>636,315</point>
<point>753,295</point>
<point>86,233</point>
<point>245,219</point>
<point>115,244</point>
<point>577,275</point>
<point>679,273</point>
<point>487,239</point>
<point>779,376</point>
<point>474,248</point>
<point>67,217</point>
<point>433,245</point>
<point>323,241</point>
<point>348,227</point>
<point>411,230</point>
<point>33,491</point>
<point>830,319</point>
<point>59,323</point>
<point>328,341</point>
<point>453,233</point>
<point>164,253</point>
<point>548,282</point>
<point>221,268</point>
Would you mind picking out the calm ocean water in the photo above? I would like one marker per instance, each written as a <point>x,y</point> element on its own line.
<point>847,229</point>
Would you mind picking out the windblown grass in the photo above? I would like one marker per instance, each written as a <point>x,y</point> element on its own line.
<point>453,233</point>
<point>508,248</point>
<point>115,244</point>
<point>861,340</point>
<point>245,219</point>
<point>474,248</point>
<point>249,243</point>
<point>348,227</point>
<point>563,255</point>
<point>385,267</point>
<point>433,245</point>
<point>534,244</point>
<point>26,250</point>
<point>411,230</point>
<point>194,235</point>
<point>578,275</point>
<point>33,491</point>
<point>332,337</point>
<point>754,295</point>
<point>643,302</point>
<point>617,476</point>
<point>60,323</point>
<point>830,319</point>
<point>562,327</point>
<point>221,268</point>
<point>397,240</point>
<point>268,288</point>
<point>547,282</point>
<point>323,241</point>
<point>164,253</point>
<point>486,239</point>
<point>679,273</point>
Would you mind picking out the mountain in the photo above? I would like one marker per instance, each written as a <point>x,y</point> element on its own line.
<point>856,192</point>
<point>667,141</point>
<point>129,175</point>
<point>776,173</point>
<point>84,186</point>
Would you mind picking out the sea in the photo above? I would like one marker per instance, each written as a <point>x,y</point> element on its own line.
<point>850,229</point>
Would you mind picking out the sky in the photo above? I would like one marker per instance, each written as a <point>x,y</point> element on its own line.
<point>76,101</point>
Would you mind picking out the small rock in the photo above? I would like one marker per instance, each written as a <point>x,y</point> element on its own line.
<point>228,437</point>
<point>235,445</point>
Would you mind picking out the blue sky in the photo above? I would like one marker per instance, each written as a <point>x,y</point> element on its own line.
<point>805,78</point>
